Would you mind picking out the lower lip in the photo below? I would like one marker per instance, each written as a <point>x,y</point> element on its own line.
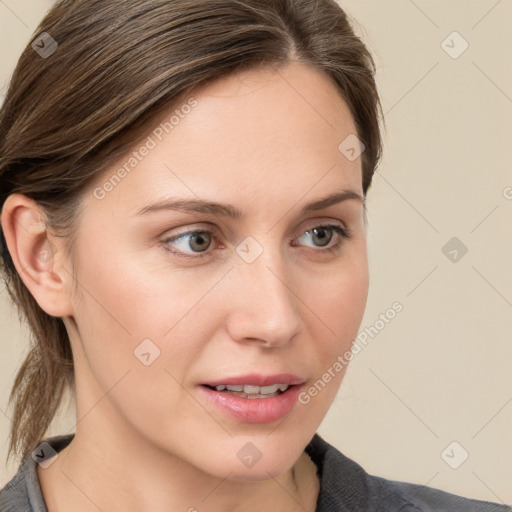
<point>254,410</point>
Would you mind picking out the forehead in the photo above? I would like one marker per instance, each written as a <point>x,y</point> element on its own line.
<point>246,135</point>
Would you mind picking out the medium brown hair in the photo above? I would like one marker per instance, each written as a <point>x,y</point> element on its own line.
<point>70,115</point>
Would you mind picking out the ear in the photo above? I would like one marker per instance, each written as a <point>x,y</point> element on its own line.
<point>36,255</point>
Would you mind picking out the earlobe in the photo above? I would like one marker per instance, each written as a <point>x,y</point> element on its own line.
<point>35,255</point>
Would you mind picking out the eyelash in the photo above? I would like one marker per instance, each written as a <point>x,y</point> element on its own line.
<point>343,232</point>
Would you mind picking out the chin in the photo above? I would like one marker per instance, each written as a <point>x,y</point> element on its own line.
<point>257,458</point>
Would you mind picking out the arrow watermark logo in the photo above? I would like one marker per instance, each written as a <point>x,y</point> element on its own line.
<point>454,455</point>
<point>45,455</point>
<point>146,352</point>
<point>351,147</point>
<point>249,250</point>
<point>249,455</point>
<point>44,45</point>
<point>454,250</point>
<point>454,45</point>
<point>47,252</point>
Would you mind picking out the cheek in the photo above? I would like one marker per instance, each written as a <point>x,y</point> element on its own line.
<point>137,299</point>
<point>340,300</point>
<point>338,307</point>
<point>132,313</point>
<point>137,339</point>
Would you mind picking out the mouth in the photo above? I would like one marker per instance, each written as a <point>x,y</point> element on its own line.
<point>254,398</point>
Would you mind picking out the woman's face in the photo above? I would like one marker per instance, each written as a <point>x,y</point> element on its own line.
<point>271,295</point>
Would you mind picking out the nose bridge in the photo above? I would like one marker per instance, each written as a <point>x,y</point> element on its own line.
<point>267,310</point>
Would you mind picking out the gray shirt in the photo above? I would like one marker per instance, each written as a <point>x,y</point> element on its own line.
<point>344,487</point>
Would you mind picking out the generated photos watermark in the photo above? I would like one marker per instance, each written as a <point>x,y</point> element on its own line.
<point>151,142</point>
<point>343,360</point>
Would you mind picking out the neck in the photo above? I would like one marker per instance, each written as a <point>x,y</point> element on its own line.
<point>112,469</point>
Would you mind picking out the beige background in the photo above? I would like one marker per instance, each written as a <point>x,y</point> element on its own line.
<point>440,370</point>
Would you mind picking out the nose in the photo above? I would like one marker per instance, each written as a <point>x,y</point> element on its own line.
<point>263,309</point>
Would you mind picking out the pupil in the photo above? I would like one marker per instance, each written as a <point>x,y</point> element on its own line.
<point>201,239</point>
<point>322,230</point>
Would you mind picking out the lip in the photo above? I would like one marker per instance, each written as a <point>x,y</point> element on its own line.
<point>252,410</point>
<point>255,379</point>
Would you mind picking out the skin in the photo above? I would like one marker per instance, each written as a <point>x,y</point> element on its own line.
<point>146,438</point>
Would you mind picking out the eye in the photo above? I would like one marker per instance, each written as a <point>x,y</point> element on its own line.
<point>321,234</point>
<point>197,240</point>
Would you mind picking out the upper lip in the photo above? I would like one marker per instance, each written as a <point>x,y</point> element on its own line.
<point>257,380</point>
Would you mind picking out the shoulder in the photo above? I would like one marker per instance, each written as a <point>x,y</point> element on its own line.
<point>15,496</point>
<point>345,485</point>
<point>420,498</point>
<point>23,492</point>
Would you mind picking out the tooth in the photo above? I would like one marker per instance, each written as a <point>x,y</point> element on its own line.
<point>269,389</point>
<point>235,388</point>
<point>251,390</point>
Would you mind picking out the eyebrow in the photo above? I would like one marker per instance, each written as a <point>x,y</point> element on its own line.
<point>229,211</point>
